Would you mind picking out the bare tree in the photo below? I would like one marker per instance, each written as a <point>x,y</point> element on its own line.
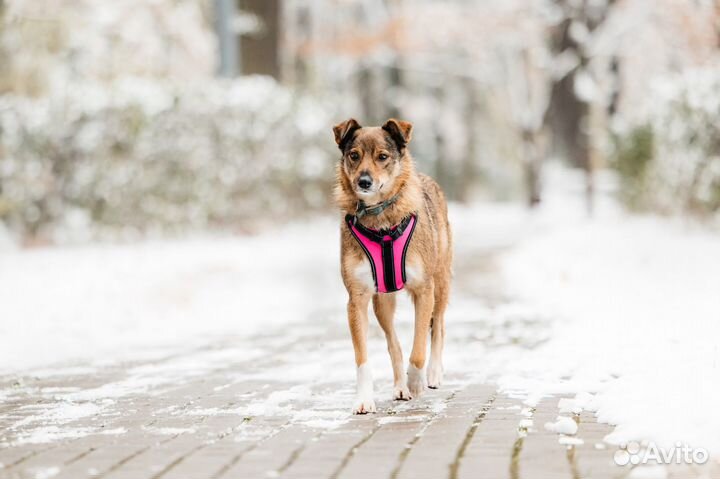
<point>568,115</point>
<point>468,170</point>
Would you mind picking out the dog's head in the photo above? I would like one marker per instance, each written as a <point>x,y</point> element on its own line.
<point>372,156</point>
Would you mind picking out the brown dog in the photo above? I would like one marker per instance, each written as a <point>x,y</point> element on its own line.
<point>384,200</point>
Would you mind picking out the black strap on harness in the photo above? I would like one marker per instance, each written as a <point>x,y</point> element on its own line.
<point>378,235</point>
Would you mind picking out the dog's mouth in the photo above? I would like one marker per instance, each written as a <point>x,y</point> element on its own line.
<point>367,192</point>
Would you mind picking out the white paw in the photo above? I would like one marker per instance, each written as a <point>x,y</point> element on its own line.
<point>364,405</point>
<point>401,392</point>
<point>416,381</point>
<point>435,374</point>
<point>364,402</point>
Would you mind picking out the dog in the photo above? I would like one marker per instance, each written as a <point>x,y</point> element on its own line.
<point>395,235</point>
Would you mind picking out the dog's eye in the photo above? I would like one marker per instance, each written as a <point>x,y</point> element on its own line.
<point>382,157</point>
<point>354,156</point>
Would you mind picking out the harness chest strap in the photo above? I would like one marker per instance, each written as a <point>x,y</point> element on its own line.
<point>386,251</point>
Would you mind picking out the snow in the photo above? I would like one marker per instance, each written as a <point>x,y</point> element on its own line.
<point>563,425</point>
<point>635,302</point>
<point>581,401</point>
<point>525,424</point>
<point>584,87</point>
<point>61,414</point>
<point>170,431</point>
<point>570,441</point>
<point>107,302</point>
<point>47,434</point>
<point>399,419</point>
<point>46,472</point>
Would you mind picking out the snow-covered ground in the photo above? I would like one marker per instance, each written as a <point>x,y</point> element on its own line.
<point>113,302</point>
<point>637,308</point>
<point>633,303</point>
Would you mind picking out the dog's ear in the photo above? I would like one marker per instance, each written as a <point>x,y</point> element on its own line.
<point>344,132</point>
<point>400,131</point>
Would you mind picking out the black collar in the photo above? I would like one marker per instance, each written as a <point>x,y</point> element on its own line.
<point>374,210</point>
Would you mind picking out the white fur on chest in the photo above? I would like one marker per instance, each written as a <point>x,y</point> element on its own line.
<point>363,274</point>
<point>414,272</point>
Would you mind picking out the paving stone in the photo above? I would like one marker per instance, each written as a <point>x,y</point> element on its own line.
<point>235,419</point>
<point>327,454</point>
<point>438,451</point>
<point>476,431</point>
<point>272,456</point>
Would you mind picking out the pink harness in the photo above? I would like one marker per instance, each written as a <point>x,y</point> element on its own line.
<point>386,250</point>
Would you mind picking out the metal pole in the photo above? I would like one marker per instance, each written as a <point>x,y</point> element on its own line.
<point>225,14</point>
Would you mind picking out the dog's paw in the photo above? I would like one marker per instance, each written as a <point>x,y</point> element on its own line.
<point>364,402</point>
<point>435,374</point>
<point>364,405</point>
<point>416,381</point>
<point>401,393</point>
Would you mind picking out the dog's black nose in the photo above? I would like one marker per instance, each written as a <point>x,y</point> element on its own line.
<point>365,182</point>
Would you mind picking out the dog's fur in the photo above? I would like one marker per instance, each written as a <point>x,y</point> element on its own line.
<point>429,256</point>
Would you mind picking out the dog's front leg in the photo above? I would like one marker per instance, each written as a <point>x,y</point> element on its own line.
<point>384,307</point>
<point>358,321</point>
<point>424,300</point>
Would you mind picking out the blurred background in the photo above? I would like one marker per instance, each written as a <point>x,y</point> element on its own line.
<point>120,120</point>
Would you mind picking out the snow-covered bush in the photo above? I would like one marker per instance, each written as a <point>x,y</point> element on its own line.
<point>682,132</point>
<point>113,124</point>
<point>144,155</point>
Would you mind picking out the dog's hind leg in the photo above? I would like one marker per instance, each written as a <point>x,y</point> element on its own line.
<point>384,307</point>
<point>358,322</point>
<point>424,300</point>
<point>437,337</point>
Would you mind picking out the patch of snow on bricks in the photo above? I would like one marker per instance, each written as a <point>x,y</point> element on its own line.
<point>563,425</point>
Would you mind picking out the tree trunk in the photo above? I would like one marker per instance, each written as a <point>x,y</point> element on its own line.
<point>443,173</point>
<point>468,168</point>
<point>568,116</point>
<point>531,167</point>
<point>259,51</point>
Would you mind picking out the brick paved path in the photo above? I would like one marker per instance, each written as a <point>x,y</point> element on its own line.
<point>277,405</point>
